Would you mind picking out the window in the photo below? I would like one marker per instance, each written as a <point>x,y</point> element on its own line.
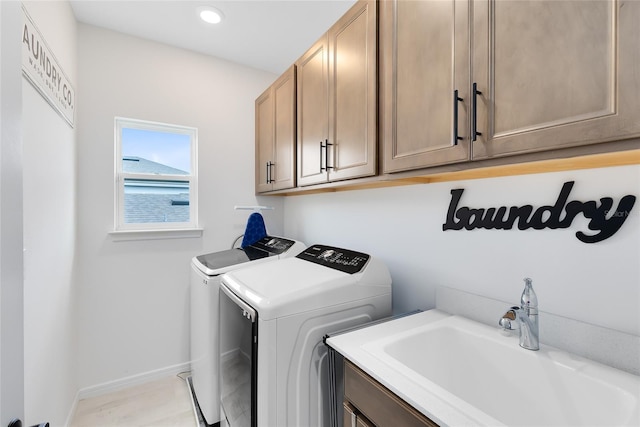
<point>156,176</point>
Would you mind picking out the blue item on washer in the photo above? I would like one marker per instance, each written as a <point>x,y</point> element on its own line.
<point>255,230</point>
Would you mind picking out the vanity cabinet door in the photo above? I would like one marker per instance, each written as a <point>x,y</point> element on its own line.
<point>555,74</point>
<point>353,418</point>
<point>424,57</point>
<point>363,422</point>
<point>376,404</point>
<point>275,134</point>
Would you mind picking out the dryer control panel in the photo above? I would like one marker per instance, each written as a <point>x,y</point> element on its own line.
<point>337,258</point>
<point>273,245</point>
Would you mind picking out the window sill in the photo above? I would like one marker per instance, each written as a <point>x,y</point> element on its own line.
<point>127,235</point>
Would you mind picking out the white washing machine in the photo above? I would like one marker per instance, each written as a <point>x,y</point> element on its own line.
<point>273,317</point>
<point>205,280</point>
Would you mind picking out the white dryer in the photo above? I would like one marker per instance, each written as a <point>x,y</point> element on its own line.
<point>205,279</point>
<point>273,317</point>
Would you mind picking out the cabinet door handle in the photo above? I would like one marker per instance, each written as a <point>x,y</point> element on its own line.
<point>325,145</point>
<point>326,154</point>
<point>474,122</point>
<point>456,99</point>
<point>270,164</point>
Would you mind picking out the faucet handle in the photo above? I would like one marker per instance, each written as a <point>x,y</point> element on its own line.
<point>529,299</point>
<point>508,320</point>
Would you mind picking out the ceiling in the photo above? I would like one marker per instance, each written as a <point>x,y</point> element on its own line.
<point>265,34</point>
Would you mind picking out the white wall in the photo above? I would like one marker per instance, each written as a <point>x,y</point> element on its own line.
<point>595,283</point>
<point>49,233</point>
<point>133,306</point>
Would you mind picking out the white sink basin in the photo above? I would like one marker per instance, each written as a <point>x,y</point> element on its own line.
<point>458,371</point>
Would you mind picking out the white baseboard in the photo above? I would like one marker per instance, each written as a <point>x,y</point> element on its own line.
<point>72,411</point>
<point>133,380</point>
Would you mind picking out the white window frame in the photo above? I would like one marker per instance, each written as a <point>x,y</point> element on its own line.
<point>154,229</point>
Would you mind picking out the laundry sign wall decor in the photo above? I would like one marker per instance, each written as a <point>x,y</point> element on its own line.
<point>604,219</point>
<point>41,68</point>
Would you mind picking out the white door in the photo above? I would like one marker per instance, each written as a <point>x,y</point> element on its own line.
<point>11,283</point>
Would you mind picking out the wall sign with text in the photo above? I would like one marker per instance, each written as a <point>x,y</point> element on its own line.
<point>40,67</point>
<point>604,219</point>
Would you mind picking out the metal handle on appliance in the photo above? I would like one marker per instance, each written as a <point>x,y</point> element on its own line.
<point>456,99</point>
<point>248,311</point>
<point>322,169</point>
<point>474,122</point>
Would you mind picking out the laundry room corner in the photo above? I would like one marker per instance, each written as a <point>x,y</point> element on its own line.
<point>134,295</point>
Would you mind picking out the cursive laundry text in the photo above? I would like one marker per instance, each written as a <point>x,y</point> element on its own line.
<point>603,221</point>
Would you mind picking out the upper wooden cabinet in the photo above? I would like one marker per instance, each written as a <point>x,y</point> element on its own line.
<point>313,113</point>
<point>424,83</point>
<point>544,74</point>
<point>276,134</point>
<point>555,74</point>
<point>337,84</point>
<point>458,81</point>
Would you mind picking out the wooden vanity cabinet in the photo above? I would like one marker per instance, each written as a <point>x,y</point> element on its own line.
<point>337,94</point>
<point>275,131</point>
<point>369,403</point>
<point>544,74</point>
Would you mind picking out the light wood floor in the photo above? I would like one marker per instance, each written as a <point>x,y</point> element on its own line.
<point>162,403</point>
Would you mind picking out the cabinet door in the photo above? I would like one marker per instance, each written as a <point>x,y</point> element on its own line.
<point>362,421</point>
<point>424,60</point>
<point>352,418</point>
<point>350,415</point>
<point>284,139</point>
<point>264,141</point>
<point>381,406</point>
<point>313,114</point>
<point>352,93</point>
<point>555,74</point>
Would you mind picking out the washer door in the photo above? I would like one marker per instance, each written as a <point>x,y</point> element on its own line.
<point>238,361</point>
<point>204,343</point>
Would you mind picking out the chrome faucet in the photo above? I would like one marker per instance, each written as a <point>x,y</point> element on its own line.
<point>524,318</point>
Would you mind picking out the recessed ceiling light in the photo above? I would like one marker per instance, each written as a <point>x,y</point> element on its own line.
<point>210,15</point>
